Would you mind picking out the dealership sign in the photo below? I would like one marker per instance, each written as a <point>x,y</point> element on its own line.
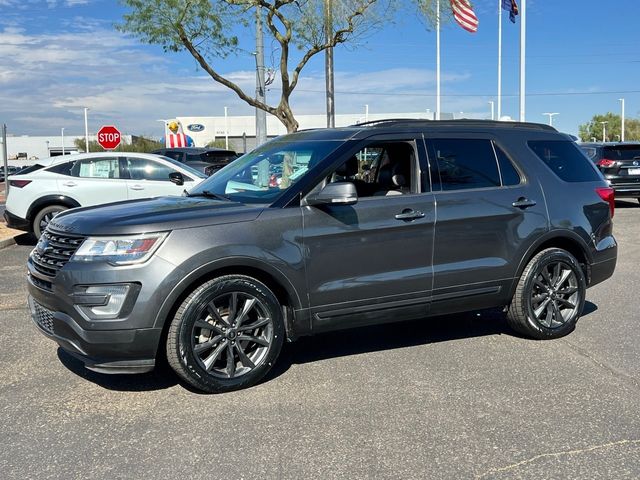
<point>195,127</point>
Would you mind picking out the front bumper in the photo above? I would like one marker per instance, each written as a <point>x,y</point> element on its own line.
<point>126,344</point>
<point>19,223</point>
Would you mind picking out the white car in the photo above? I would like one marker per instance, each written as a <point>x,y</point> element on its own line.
<point>38,193</point>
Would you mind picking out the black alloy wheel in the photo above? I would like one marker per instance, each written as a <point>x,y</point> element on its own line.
<point>226,335</point>
<point>549,297</point>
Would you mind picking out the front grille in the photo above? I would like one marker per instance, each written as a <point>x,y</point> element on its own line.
<point>54,250</point>
<point>43,317</point>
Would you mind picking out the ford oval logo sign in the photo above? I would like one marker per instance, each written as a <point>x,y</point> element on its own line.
<point>195,127</point>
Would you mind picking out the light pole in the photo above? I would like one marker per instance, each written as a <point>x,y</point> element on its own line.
<point>62,133</point>
<point>366,113</point>
<point>226,129</point>
<point>492,111</point>
<point>551,115</point>
<point>86,131</point>
<point>604,131</point>
<point>621,100</point>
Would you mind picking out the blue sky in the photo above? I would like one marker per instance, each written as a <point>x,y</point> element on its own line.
<point>57,56</point>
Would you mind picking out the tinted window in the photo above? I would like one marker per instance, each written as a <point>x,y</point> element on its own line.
<point>174,155</point>
<point>143,169</point>
<point>95,168</point>
<point>622,152</point>
<point>510,175</point>
<point>466,163</point>
<point>30,169</point>
<point>565,159</point>
<point>62,168</point>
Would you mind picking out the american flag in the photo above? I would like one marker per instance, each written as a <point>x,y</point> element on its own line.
<point>463,13</point>
<point>176,140</point>
<point>512,7</point>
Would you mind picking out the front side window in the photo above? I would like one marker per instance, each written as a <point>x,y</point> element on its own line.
<point>380,169</point>
<point>95,168</point>
<point>264,174</point>
<point>465,163</point>
<point>143,169</point>
<point>565,159</point>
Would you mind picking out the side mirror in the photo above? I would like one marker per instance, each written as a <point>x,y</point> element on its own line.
<point>338,193</point>
<point>177,178</point>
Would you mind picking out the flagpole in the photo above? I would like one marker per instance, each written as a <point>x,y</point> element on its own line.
<point>499,59</point>
<point>437,59</point>
<point>523,36</point>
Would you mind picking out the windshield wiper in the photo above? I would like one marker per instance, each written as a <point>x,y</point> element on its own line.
<point>208,194</point>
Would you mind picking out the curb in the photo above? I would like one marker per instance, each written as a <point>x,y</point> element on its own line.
<point>7,242</point>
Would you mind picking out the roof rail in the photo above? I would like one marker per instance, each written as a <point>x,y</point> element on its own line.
<point>399,122</point>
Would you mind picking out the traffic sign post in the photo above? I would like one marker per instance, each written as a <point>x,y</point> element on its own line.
<point>109,137</point>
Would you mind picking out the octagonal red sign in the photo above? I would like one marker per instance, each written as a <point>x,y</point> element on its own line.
<point>109,137</point>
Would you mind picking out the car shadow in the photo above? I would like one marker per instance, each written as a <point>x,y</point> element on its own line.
<point>26,239</point>
<point>630,203</point>
<point>335,344</point>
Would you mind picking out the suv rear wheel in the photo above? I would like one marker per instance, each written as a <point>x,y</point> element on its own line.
<point>226,335</point>
<point>549,297</point>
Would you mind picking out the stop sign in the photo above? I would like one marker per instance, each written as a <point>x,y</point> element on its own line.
<point>108,137</point>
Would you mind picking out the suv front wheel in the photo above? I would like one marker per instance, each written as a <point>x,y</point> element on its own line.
<point>226,335</point>
<point>549,297</point>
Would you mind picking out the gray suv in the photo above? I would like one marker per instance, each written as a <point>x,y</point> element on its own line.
<point>373,223</point>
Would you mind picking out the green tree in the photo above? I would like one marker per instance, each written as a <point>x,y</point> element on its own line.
<point>209,29</point>
<point>138,144</point>
<point>219,143</point>
<point>613,128</point>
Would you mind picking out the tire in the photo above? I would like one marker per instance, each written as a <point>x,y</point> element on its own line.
<point>244,339</point>
<point>44,216</point>
<point>549,297</point>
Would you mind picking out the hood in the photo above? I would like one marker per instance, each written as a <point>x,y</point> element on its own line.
<point>153,215</point>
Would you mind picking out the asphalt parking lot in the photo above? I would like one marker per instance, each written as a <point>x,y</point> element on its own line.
<point>451,397</point>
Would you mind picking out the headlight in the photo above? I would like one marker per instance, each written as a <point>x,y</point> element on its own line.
<point>119,250</point>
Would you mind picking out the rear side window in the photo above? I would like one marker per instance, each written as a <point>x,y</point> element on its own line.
<point>466,163</point>
<point>565,159</point>
<point>30,169</point>
<point>94,168</point>
<point>510,175</point>
<point>622,152</point>
<point>62,168</point>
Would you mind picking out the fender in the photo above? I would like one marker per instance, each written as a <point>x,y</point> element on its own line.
<point>549,236</point>
<point>227,263</point>
<point>47,200</point>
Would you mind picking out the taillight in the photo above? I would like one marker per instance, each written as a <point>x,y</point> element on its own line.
<point>606,163</point>
<point>608,194</point>
<point>19,183</point>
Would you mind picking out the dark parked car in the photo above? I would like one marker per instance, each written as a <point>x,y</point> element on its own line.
<point>206,160</point>
<point>620,165</point>
<point>11,170</point>
<point>451,216</point>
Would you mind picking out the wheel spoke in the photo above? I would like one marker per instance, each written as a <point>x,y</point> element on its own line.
<point>568,291</point>
<point>565,275</point>
<point>566,303</point>
<point>233,308</point>
<point>246,308</point>
<point>246,361</point>
<point>557,271</point>
<point>558,315</point>
<point>231,361</point>
<point>538,311</point>
<point>210,360</point>
<point>261,322</point>
<point>549,316</point>
<point>200,347</point>
<point>540,297</point>
<point>547,278</point>
<point>209,326</point>
<point>213,311</point>
<point>251,338</point>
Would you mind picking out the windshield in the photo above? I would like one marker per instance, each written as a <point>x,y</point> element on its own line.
<point>264,174</point>
<point>622,152</point>
<point>184,166</point>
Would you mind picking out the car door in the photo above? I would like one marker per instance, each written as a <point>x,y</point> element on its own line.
<point>92,181</point>
<point>371,262</point>
<point>488,213</point>
<point>150,178</point>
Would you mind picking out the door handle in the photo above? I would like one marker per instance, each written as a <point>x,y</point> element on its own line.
<point>409,214</point>
<point>69,184</point>
<point>523,203</point>
<point>136,187</point>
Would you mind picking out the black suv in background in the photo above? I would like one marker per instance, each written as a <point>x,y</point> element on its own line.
<point>367,224</point>
<point>620,165</point>
<point>206,160</point>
